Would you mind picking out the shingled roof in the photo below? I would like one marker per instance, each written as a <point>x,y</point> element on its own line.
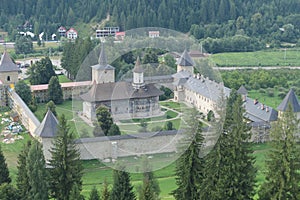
<point>242,90</point>
<point>118,91</point>
<point>137,67</point>
<point>258,112</point>
<point>102,61</point>
<point>6,63</point>
<point>48,127</point>
<point>292,99</point>
<point>185,59</point>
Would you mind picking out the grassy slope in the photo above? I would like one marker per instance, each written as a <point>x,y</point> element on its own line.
<point>258,58</point>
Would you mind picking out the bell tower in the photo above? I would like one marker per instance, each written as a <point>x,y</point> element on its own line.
<point>138,75</point>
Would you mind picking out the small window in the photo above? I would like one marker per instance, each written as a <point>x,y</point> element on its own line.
<point>8,78</point>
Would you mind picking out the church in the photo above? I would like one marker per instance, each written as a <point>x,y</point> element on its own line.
<point>125,100</point>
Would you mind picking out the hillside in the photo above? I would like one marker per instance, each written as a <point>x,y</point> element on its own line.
<point>269,21</point>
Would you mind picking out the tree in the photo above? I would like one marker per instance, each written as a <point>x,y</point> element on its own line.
<point>114,130</point>
<point>23,45</point>
<point>23,90</point>
<point>229,167</point>
<point>283,162</point>
<point>8,192</point>
<point>169,125</point>
<point>66,168</point>
<point>54,91</point>
<point>4,173</point>
<point>150,189</point>
<point>41,72</point>
<point>94,195</point>
<point>75,193</point>
<point>122,188</point>
<point>51,106</point>
<point>36,172</point>
<point>22,175</point>
<point>189,166</point>
<point>104,119</point>
<point>105,192</point>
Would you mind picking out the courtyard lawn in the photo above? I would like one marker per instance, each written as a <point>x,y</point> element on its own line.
<point>63,79</point>
<point>76,124</point>
<point>279,57</point>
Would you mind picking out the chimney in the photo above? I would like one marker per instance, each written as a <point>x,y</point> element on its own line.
<point>255,101</point>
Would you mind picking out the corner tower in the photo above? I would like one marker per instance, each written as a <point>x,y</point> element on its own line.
<point>185,63</point>
<point>103,72</point>
<point>138,75</point>
<point>8,70</point>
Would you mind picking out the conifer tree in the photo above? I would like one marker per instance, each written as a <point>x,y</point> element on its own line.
<point>22,176</point>
<point>54,90</point>
<point>4,173</point>
<point>229,168</point>
<point>283,162</point>
<point>105,195</point>
<point>52,107</point>
<point>122,188</point>
<point>150,189</point>
<point>75,193</point>
<point>189,166</point>
<point>66,167</point>
<point>94,195</point>
<point>36,173</point>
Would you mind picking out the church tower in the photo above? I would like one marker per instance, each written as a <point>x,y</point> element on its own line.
<point>103,72</point>
<point>185,63</point>
<point>138,75</point>
<point>290,98</point>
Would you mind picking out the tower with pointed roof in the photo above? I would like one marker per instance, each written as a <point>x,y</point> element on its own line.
<point>185,63</point>
<point>103,72</point>
<point>8,70</point>
<point>138,75</point>
<point>292,99</point>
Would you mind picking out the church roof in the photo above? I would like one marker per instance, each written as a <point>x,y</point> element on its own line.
<point>242,90</point>
<point>119,91</point>
<point>6,64</point>
<point>292,99</point>
<point>48,127</point>
<point>181,74</point>
<point>137,67</point>
<point>102,61</point>
<point>185,59</point>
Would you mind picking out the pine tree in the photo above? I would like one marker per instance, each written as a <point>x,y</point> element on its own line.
<point>22,176</point>
<point>36,172</point>
<point>189,166</point>
<point>8,192</point>
<point>229,168</point>
<point>66,167</point>
<point>75,193</point>
<point>51,106</point>
<point>105,195</point>
<point>283,162</point>
<point>4,173</point>
<point>94,195</point>
<point>122,188</point>
<point>150,189</point>
<point>54,91</point>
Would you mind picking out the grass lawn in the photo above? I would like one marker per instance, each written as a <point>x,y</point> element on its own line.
<point>265,99</point>
<point>63,79</point>
<point>280,57</point>
<point>76,124</point>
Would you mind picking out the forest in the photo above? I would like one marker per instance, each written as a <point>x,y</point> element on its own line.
<point>258,22</point>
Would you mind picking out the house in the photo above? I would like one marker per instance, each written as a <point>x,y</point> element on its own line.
<point>72,34</point>
<point>107,31</point>
<point>120,36</point>
<point>153,34</point>
<point>125,100</point>
<point>62,31</point>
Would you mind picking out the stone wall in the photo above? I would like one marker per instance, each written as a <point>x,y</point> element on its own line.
<point>27,118</point>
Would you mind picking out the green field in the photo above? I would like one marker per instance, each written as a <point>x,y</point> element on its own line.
<point>280,57</point>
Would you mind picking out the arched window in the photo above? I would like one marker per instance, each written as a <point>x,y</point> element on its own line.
<point>8,78</point>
